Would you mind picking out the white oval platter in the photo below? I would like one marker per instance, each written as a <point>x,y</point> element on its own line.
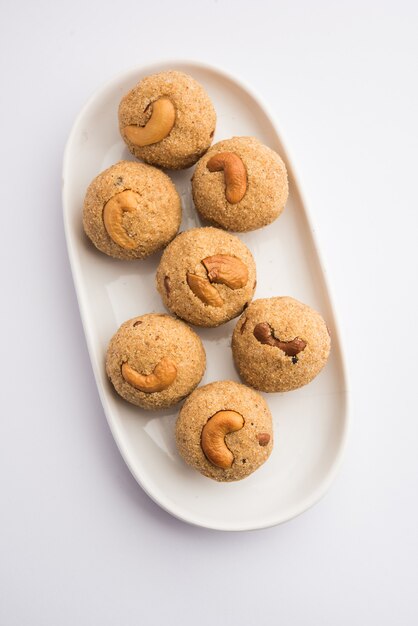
<point>310,423</point>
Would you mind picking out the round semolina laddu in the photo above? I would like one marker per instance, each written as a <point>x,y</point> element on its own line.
<point>240,184</point>
<point>154,361</point>
<point>206,276</point>
<point>280,344</point>
<point>225,431</point>
<point>131,210</point>
<point>168,120</point>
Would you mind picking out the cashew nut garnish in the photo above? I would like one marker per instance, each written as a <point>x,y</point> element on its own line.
<point>202,288</point>
<point>264,333</point>
<point>163,376</point>
<point>235,174</point>
<point>159,125</point>
<point>167,285</point>
<point>223,269</point>
<point>213,437</point>
<point>123,202</point>
<point>227,270</point>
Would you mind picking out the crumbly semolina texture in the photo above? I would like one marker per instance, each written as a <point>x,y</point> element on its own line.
<point>184,254</point>
<point>267,187</point>
<point>267,367</point>
<point>142,342</point>
<point>194,125</point>
<point>153,224</point>
<point>249,454</point>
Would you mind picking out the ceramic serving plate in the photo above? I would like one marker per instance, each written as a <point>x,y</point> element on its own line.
<point>310,423</point>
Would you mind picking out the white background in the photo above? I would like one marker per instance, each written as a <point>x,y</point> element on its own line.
<point>80,543</point>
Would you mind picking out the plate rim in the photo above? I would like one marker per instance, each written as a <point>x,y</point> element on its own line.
<point>183,515</point>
